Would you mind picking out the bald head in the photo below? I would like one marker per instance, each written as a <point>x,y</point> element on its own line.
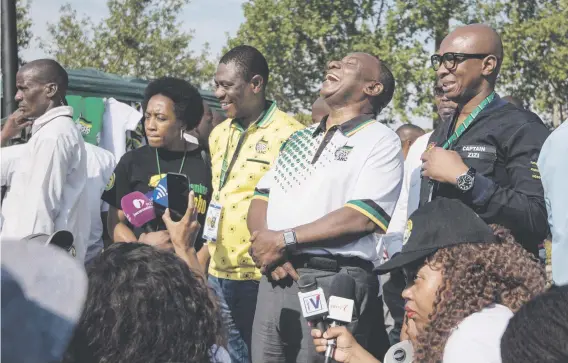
<point>47,71</point>
<point>475,38</point>
<point>468,63</point>
<point>320,109</point>
<point>408,134</point>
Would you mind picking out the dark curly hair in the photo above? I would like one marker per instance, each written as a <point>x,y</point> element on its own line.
<point>145,305</point>
<point>474,276</point>
<point>539,330</point>
<point>188,103</point>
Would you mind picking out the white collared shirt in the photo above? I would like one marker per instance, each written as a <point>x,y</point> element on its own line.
<point>100,165</point>
<point>358,166</point>
<point>47,190</point>
<point>409,197</point>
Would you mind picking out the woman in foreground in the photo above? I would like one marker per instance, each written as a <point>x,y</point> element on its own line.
<point>464,282</point>
<point>150,305</point>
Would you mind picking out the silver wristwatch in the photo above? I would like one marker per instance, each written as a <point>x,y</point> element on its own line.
<point>290,240</point>
<point>465,181</point>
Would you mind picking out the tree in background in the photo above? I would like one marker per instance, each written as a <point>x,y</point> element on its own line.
<point>23,23</point>
<point>535,68</point>
<point>139,38</point>
<point>299,37</point>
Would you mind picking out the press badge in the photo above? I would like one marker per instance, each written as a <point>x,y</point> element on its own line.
<point>212,219</point>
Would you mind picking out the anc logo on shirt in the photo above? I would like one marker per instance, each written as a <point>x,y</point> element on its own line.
<point>407,232</point>
<point>261,146</point>
<point>343,153</point>
<point>110,183</point>
<point>155,179</point>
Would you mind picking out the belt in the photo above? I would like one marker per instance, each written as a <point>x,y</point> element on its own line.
<point>329,262</point>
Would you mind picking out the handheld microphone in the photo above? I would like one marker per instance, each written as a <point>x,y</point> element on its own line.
<point>312,301</point>
<point>402,352</point>
<point>341,302</point>
<point>138,209</point>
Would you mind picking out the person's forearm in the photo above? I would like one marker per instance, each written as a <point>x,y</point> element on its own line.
<point>121,233</point>
<point>339,227</point>
<point>203,257</point>
<point>256,218</point>
<point>189,256</point>
<point>4,140</point>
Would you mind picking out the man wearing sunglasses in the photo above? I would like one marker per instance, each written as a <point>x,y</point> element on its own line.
<point>486,155</point>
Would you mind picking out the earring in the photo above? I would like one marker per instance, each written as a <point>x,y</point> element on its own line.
<point>181,134</point>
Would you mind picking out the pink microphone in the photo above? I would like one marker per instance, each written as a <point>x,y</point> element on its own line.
<point>138,209</point>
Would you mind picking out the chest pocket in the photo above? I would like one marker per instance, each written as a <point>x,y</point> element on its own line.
<point>480,157</point>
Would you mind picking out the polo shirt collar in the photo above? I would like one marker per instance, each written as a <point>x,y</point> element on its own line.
<point>348,128</point>
<point>263,120</point>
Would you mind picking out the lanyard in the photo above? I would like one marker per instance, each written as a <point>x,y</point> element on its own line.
<point>226,167</point>
<point>180,168</point>
<point>468,121</point>
<point>460,130</point>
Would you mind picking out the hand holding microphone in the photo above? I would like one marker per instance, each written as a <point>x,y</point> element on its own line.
<point>139,211</point>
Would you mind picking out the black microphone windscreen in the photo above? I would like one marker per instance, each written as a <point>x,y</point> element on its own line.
<point>307,283</point>
<point>343,286</point>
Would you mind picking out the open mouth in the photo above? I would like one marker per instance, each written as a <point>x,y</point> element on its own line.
<point>226,105</point>
<point>331,77</point>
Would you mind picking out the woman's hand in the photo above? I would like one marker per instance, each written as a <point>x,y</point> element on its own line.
<point>183,233</point>
<point>347,349</point>
<point>409,331</point>
<point>159,239</point>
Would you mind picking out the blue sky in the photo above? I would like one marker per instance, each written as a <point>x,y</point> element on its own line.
<point>203,16</point>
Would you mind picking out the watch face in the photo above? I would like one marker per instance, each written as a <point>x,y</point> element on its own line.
<point>289,238</point>
<point>465,182</point>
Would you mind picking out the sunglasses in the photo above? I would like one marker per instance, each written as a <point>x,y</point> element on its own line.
<point>451,59</point>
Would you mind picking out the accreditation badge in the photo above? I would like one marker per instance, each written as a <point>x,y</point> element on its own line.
<point>211,228</point>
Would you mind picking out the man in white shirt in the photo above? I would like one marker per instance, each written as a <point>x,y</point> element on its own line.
<point>314,213</point>
<point>47,190</point>
<point>100,165</point>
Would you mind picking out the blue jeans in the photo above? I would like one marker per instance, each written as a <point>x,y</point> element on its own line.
<point>237,300</point>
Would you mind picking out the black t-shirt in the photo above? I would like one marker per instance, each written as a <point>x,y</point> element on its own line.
<point>137,170</point>
<point>502,144</point>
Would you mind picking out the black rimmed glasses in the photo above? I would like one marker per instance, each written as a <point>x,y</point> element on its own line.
<point>451,59</point>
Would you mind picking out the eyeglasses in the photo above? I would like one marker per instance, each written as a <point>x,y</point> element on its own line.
<point>451,59</point>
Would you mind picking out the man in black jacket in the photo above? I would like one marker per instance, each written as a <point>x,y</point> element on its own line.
<point>486,155</point>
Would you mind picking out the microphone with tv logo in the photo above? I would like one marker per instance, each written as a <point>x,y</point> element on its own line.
<point>340,306</point>
<point>139,210</point>
<point>402,352</point>
<point>312,301</point>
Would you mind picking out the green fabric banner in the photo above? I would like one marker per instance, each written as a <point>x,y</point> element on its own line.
<point>88,115</point>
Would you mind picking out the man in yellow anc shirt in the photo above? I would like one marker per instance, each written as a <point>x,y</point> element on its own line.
<point>243,149</point>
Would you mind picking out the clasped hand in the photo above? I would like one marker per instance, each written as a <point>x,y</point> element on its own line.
<point>268,253</point>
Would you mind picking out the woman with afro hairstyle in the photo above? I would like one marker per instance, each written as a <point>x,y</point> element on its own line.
<point>465,280</point>
<point>172,108</point>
